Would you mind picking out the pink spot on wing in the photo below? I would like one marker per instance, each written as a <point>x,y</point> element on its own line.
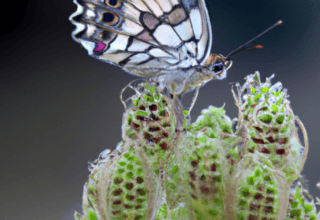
<point>99,48</point>
<point>145,36</point>
<point>150,21</point>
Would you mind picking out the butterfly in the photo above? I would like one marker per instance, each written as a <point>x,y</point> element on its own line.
<point>168,41</point>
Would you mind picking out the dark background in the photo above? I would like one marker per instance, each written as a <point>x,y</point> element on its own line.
<point>60,108</point>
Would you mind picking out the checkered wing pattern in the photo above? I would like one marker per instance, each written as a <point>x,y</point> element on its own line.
<point>147,38</point>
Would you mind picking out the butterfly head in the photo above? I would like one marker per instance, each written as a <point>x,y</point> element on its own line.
<point>218,65</point>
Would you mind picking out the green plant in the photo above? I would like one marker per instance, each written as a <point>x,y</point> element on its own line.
<point>207,169</point>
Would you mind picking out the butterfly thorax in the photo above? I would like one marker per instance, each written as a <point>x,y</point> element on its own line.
<point>182,80</point>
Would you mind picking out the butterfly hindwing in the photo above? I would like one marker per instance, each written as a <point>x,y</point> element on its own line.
<point>145,37</point>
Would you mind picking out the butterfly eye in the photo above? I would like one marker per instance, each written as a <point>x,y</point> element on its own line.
<point>110,18</point>
<point>217,68</point>
<point>113,3</point>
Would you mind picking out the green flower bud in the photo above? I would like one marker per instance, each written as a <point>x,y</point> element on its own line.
<point>268,120</point>
<point>119,187</point>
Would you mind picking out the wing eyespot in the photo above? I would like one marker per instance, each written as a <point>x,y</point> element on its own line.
<point>110,18</point>
<point>113,3</point>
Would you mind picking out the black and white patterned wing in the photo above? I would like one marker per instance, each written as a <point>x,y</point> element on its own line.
<point>145,37</point>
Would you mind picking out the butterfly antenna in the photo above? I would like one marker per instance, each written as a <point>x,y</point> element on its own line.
<point>242,47</point>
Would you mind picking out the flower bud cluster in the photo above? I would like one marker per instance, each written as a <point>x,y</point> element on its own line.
<point>210,169</point>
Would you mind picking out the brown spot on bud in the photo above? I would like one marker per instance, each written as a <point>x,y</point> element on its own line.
<point>165,134</point>
<point>213,167</point>
<point>142,108</point>
<point>280,151</point>
<point>135,126</point>
<point>261,188</point>
<point>117,192</point>
<point>258,196</point>
<point>127,206</point>
<point>204,190</point>
<point>139,180</point>
<point>164,146</point>
<point>282,140</point>
<point>258,141</point>
<point>270,139</point>
<point>265,151</point>
<point>129,186</point>
<point>155,118</point>
<point>194,163</point>
<point>254,207</point>
<point>153,107</point>
<point>153,129</point>
<point>258,128</point>
<point>192,175</point>
<point>118,202</point>
<point>147,136</point>
<point>117,180</point>
<point>140,118</point>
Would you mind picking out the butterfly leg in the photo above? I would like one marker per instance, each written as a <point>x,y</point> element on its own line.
<point>194,99</point>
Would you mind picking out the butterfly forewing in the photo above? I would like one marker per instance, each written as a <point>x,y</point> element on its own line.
<point>145,37</point>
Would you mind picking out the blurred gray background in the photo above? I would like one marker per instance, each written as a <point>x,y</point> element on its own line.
<point>60,108</point>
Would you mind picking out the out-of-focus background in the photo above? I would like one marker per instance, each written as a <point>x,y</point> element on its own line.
<point>60,108</point>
